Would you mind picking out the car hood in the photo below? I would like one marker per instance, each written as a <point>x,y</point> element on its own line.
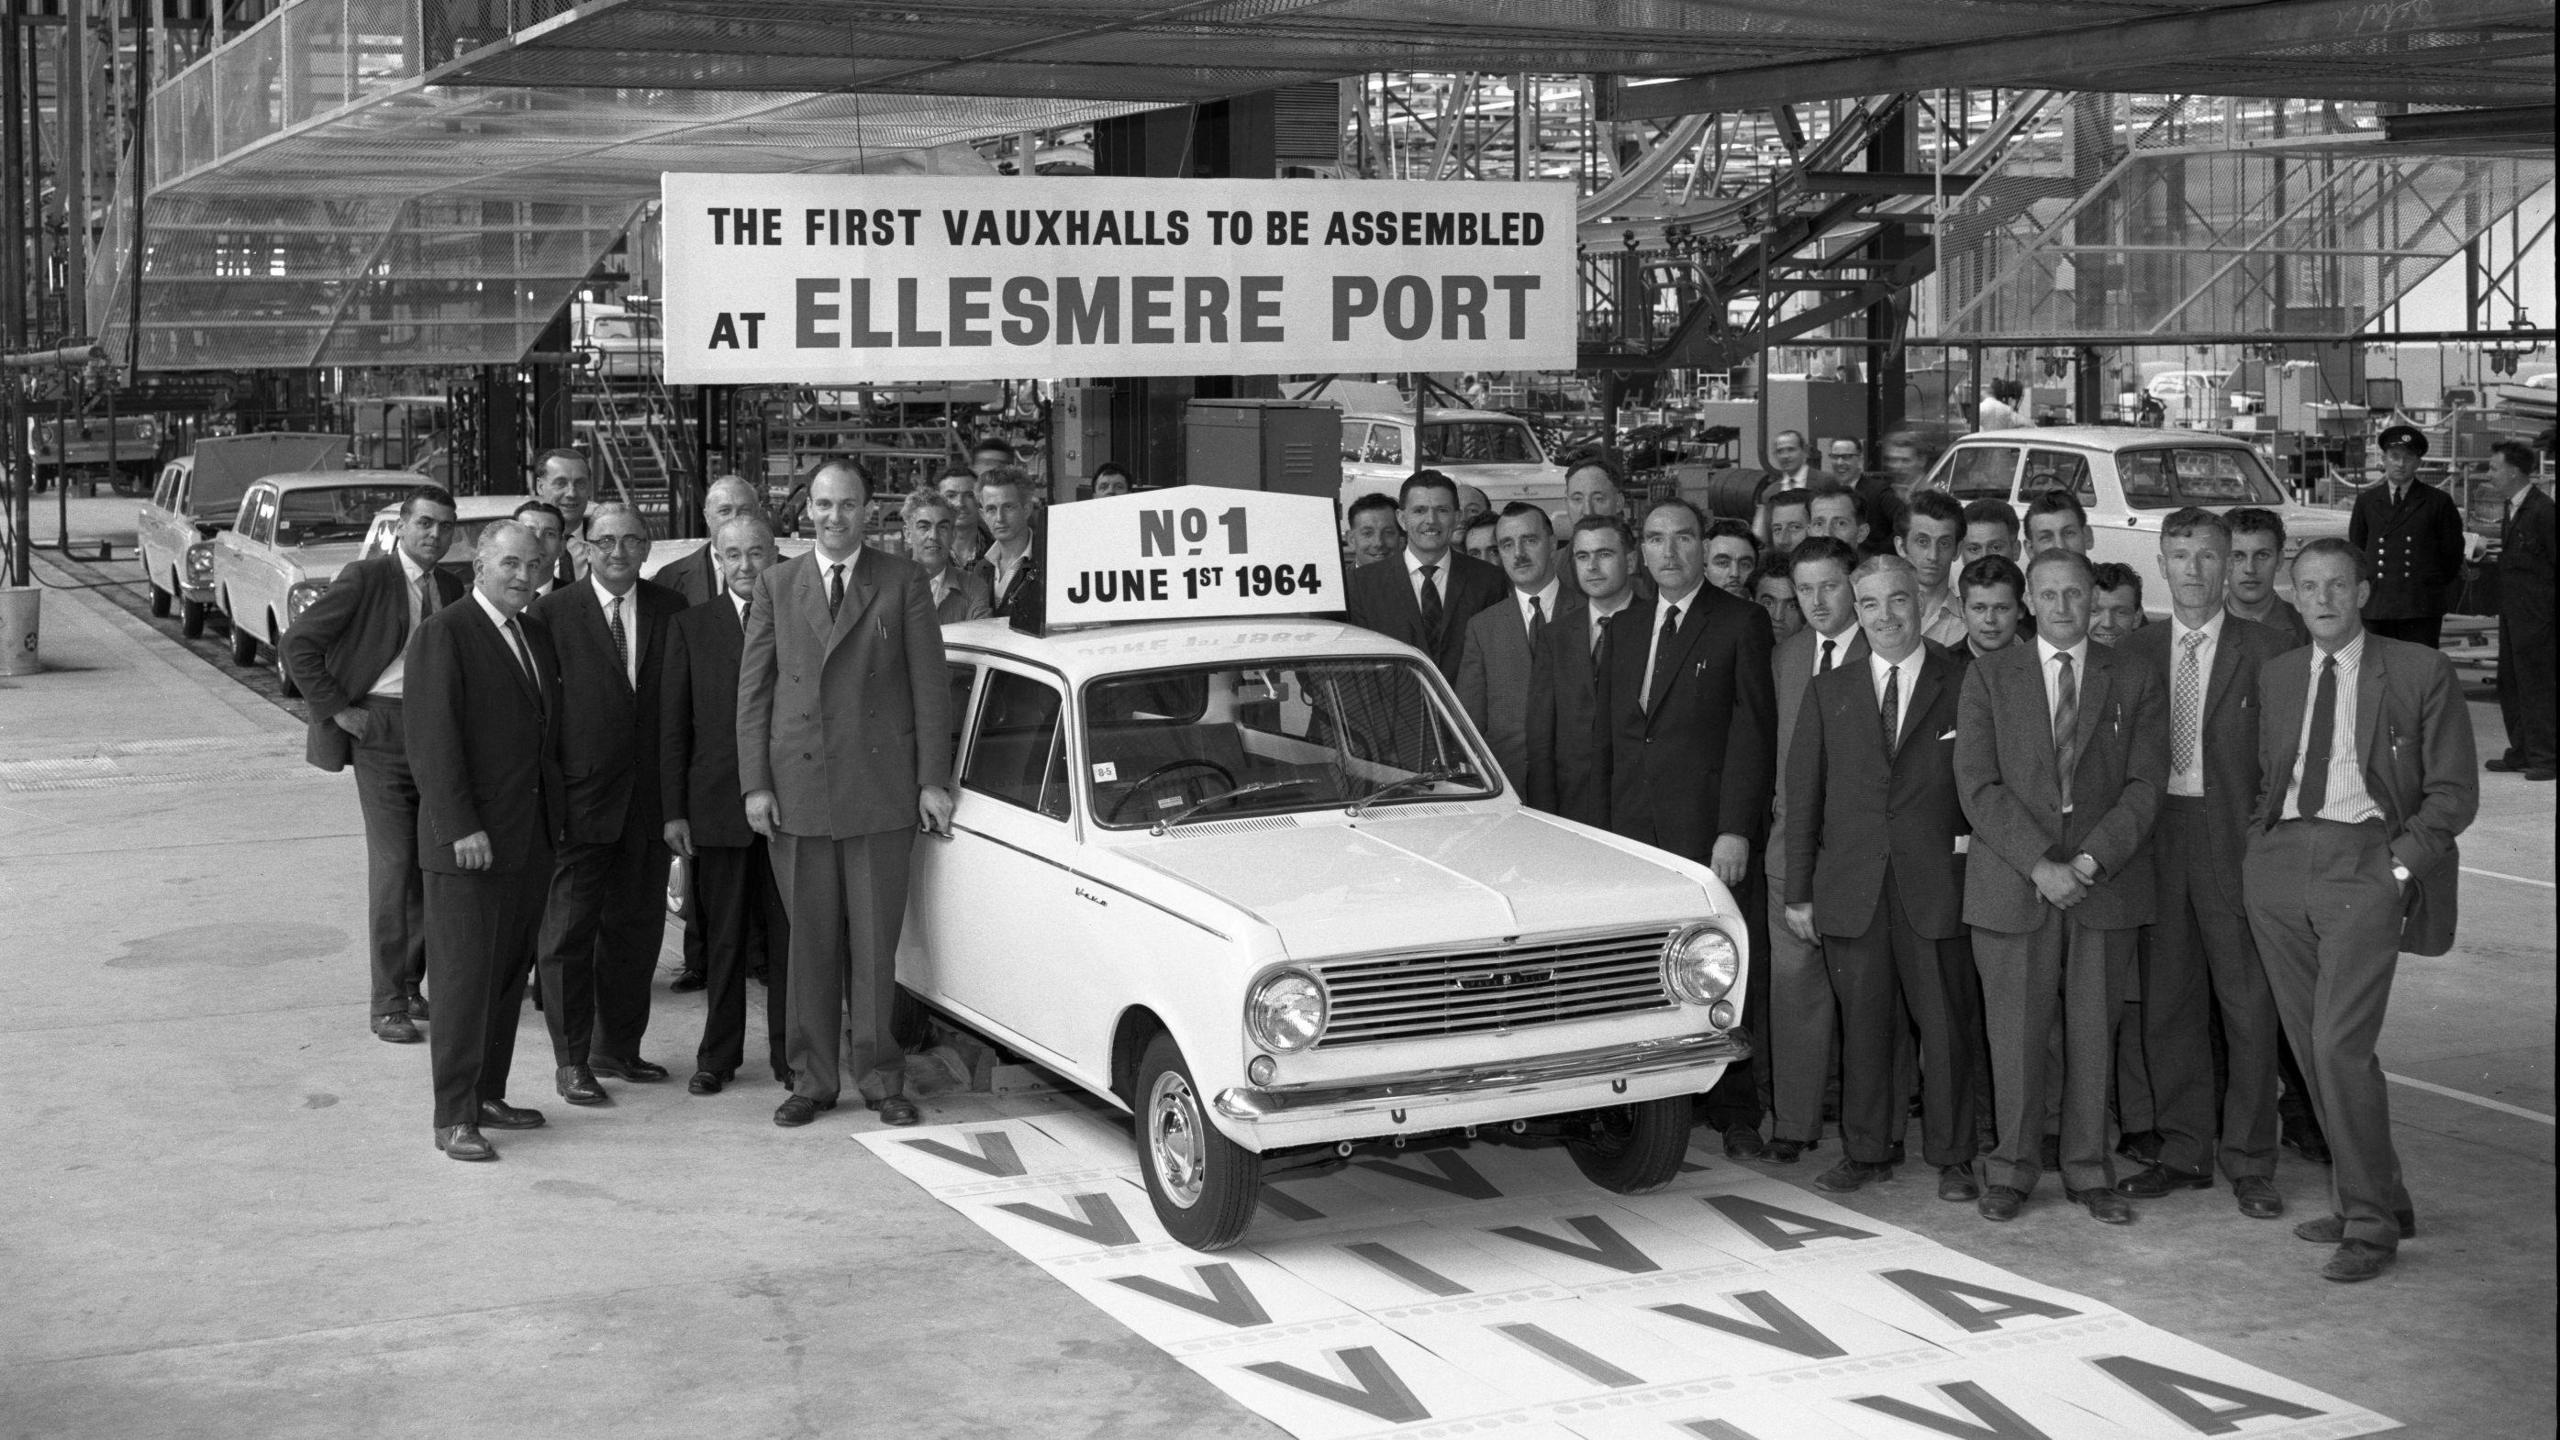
<point>1481,472</point>
<point>1332,886</point>
<point>323,562</point>
<point>2305,522</point>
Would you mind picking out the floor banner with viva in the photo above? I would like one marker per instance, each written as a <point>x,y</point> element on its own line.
<point>838,279</point>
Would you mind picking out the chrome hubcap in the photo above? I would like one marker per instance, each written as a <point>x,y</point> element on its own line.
<point>1174,1138</point>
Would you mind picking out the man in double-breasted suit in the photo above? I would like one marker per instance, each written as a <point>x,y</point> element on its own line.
<point>1425,594</point>
<point>1507,671</point>
<point>1873,871</point>
<point>2411,536</point>
<point>2198,954</point>
<point>2061,749</point>
<point>1569,738</point>
<point>737,905</point>
<point>844,748</point>
<point>484,706</point>
<point>2525,634</point>
<point>348,656</point>
<point>2366,776</point>
<point>607,912</point>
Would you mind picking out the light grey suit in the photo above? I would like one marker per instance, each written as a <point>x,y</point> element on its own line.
<point>1804,1019</point>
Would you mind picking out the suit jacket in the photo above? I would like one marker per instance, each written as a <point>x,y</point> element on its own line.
<point>696,577</point>
<point>342,644</point>
<point>1569,736</point>
<point>2285,621</point>
<point>1701,760</point>
<point>1859,812</point>
<point>2525,564</point>
<point>2419,766</point>
<point>843,719</point>
<point>484,741</point>
<point>2228,732</point>
<point>966,600</point>
<point>698,726</point>
<point>1792,664</point>
<point>2415,548</point>
<point>1882,507</point>
<point>1024,593</point>
<point>1381,599</point>
<point>1501,681</point>
<point>2005,767</point>
<point>609,733</point>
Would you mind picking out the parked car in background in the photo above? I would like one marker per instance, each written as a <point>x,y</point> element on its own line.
<point>291,537</point>
<point>474,513</point>
<point>1497,453</point>
<point>197,497</point>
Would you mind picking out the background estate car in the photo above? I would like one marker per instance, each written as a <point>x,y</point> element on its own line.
<point>1497,453</point>
<point>1261,884</point>
<point>291,537</point>
<point>197,497</point>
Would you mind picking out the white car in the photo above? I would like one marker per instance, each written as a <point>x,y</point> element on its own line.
<point>1497,453</point>
<point>196,496</point>
<point>1259,882</point>
<point>2128,479</point>
<point>291,537</point>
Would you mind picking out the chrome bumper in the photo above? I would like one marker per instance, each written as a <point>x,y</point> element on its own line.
<point>1248,1104</point>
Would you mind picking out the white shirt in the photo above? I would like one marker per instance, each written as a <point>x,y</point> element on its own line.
<point>943,582</point>
<point>1439,580</point>
<point>1942,620</point>
<point>827,569</point>
<point>630,600</point>
<point>739,603</point>
<point>1546,601</point>
<point>387,685</point>
<point>1653,643</point>
<point>2190,781</point>
<point>2346,800</point>
<point>1839,644</point>
<point>1909,666</point>
<point>517,646</point>
<point>1004,570</point>
<point>1997,415</point>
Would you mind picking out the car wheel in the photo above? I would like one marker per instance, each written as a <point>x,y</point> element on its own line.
<point>284,675</point>
<point>1632,1148</point>
<point>191,619</point>
<point>244,642</point>
<point>161,600</point>
<point>1204,1185</point>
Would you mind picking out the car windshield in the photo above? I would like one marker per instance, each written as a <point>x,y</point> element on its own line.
<point>322,516</point>
<point>1224,741</point>
<point>2169,476</point>
<point>1479,442</point>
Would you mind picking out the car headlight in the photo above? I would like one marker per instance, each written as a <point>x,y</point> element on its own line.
<point>1700,964</point>
<point>299,599</point>
<point>200,563</point>
<point>1286,1011</point>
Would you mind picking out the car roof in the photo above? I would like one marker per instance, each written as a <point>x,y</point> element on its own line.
<point>1081,655</point>
<point>2100,437</point>
<point>1430,415</point>
<point>473,507</point>
<point>333,479</point>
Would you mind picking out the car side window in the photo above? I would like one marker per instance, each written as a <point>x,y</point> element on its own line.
<point>2148,484</point>
<point>1355,442</point>
<point>1386,445</point>
<point>2060,470</point>
<point>160,493</point>
<point>1019,752</point>
<point>1982,472</point>
<point>964,679</point>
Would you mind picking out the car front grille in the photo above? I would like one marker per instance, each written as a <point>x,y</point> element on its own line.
<point>1468,992</point>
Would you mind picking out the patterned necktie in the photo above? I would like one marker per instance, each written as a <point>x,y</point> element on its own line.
<point>621,639</point>
<point>1431,611</point>
<point>1892,711</point>
<point>1661,668</point>
<point>835,590</point>
<point>2066,726</point>
<point>2315,758</point>
<point>2186,704</point>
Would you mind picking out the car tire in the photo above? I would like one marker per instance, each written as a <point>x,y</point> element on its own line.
<point>1632,1149</point>
<point>1203,1185</point>
<point>161,600</point>
<point>284,673</point>
<point>191,619</point>
<point>244,643</point>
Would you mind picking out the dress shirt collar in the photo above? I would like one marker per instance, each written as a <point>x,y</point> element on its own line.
<point>497,617</point>
<point>2046,650</point>
<point>850,561</point>
<point>605,598</point>
<point>1413,565</point>
<point>2349,656</point>
<point>737,602</point>
<point>1601,612</point>
<point>1878,667</point>
<point>2179,630</point>
<point>410,569</point>
<point>1546,599</point>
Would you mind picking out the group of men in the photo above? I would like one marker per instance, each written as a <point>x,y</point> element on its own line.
<point>1989,854</point>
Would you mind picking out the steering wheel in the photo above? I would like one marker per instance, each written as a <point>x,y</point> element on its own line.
<point>1170,767</point>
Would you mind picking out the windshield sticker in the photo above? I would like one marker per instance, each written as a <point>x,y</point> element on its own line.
<point>1105,771</point>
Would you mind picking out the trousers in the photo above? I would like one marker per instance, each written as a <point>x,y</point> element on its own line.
<point>601,928</point>
<point>739,912</point>
<point>1880,976</point>
<point>1804,1025</point>
<point>847,898</point>
<point>2081,973</point>
<point>2202,957</point>
<point>480,947</point>
<point>395,890</point>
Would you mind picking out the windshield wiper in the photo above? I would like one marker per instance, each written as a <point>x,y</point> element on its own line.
<point>1432,776</point>
<point>1259,787</point>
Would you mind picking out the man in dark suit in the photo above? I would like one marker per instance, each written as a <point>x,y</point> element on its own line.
<point>1569,739</point>
<point>607,911</point>
<point>562,480</point>
<point>696,577</point>
<point>348,656</point>
<point>2061,750</point>
<point>1874,877</point>
<point>844,745</point>
<point>2525,635</point>
<point>959,594</point>
<point>1693,750</point>
<point>2199,958</point>
<point>1425,594</point>
<point>2410,532</point>
<point>738,907</point>
<point>484,705</point>
<point>2366,776</point>
<point>2257,555</point>
<point>1507,669</point>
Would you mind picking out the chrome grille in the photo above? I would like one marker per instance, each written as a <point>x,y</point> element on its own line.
<point>1536,982</point>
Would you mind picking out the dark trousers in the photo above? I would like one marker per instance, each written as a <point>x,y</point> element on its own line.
<point>601,929</point>
<point>1803,1026</point>
<point>738,909</point>
<point>2201,957</point>
<point>2326,913</point>
<point>1880,977</point>
<point>480,944</point>
<point>1741,1095</point>
<point>697,951</point>
<point>2424,630</point>
<point>848,900</point>
<point>395,892</point>
<point>2525,694</point>
<point>2081,974</point>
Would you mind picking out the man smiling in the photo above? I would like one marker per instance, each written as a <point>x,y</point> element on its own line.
<point>1425,596</point>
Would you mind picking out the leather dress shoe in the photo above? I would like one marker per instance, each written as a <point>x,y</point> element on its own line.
<point>1742,1142</point>
<point>2303,1134</point>
<point>2160,1180</point>
<point>2538,777</point>
<point>898,1110</point>
<point>688,982</point>
<point>398,1029</point>
<point>2501,765</point>
<point>1851,1175</point>
<point>1782,1151</point>
<point>2332,1229</point>
<point>2257,1196</point>
<point>464,1142</point>
<point>2357,1260</point>
<point>2105,1206</point>
<point>2001,1202</point>
<point>705,1082</point>
<point>417,1004</point>
<point>2142,1145</point>
<point>1956,1182</point>
<point>499,1115</point>
<point>635,1069</point>
<point>578,1086</point>
<point>800,1110</point>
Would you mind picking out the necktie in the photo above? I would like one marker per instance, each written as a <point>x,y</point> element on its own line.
<point>2315,757</point>
<point>524,656</point>
<point>621,639</point>
<point>1537,623</point>
<point>835,590</point>
<point>1824,667</point>
<point>2186,704</point>
<point>2066,726</point>
<point>1659,673</point>
<point>1431,611</point>
<point>426,594</point>
<point>1892,710</point>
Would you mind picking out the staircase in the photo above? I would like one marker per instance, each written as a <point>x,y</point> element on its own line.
<point>643,445</point>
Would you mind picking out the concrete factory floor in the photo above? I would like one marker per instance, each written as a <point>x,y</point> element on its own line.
<point>226,1217</point>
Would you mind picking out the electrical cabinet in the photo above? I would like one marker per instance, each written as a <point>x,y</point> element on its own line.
<point>1292,446</point>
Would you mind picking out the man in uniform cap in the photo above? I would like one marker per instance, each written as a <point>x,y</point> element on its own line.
<point>2413,533</point>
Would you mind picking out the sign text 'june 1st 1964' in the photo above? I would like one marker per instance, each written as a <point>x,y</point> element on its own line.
<point>1193,551</point>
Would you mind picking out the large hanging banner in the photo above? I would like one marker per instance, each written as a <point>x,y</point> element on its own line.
<point>846,279</point>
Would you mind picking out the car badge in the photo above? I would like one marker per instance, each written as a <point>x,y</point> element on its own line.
<point>1503,980</point>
